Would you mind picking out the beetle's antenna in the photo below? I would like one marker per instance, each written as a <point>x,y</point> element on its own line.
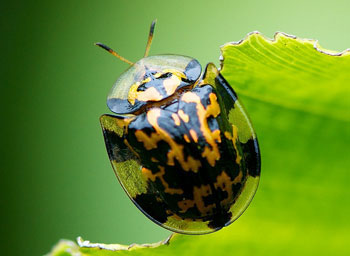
<point>114,53</point>
<point>150,37</point>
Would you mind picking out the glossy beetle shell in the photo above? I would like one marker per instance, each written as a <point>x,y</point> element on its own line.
<point>187,156</point>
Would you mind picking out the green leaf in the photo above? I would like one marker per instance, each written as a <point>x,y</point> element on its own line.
<point>289,72</point>
<point>298,98</point>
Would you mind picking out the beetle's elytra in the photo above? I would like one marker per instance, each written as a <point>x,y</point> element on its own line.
<point>181,143</point>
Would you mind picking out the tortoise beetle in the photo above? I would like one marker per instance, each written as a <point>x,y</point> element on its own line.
<point>181,143</point>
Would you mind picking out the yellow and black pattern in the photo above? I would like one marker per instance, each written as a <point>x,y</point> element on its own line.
<point>185,163</point>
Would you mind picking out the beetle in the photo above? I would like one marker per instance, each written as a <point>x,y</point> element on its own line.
<point>180,142</point>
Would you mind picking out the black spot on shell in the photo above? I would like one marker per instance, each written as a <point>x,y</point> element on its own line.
<point>116,148</point>
<point>220,220</point>
<point>149,204</point>
<point>252,157</point>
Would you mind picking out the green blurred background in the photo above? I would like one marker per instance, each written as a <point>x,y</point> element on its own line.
<point>56,180</point>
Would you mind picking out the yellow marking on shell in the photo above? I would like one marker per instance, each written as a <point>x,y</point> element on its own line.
<point>214,108</point>
<point>238,116</point>
<point>171,84</point>
<point>183,116</point>
<point>193,163</point>
<point>132,95</point>
<point>176,150</point>
<point>238,178</point>
<point>172,71</point>
<point>122,123</point>
<point>212,137</point>
<point>150,94</point>
<point>216,135</point>
<point>234,139</point>
<point>194,135</point>
<point>190,97</point>
<point>186,138</point>
<point>154,160</point>
<point>184,205</point>
<point>198,194</point>
<point>148,142</point>
<point>210,155</point>
<point>149,175</point>
<point>176,119</point>
<point>224,182</point>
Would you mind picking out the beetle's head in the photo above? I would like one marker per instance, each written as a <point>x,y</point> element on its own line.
<point>151,79</point>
